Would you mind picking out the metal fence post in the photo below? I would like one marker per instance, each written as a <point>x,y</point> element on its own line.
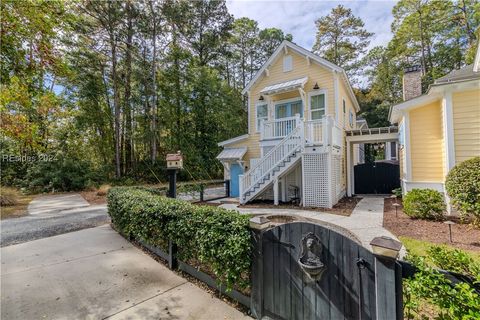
<point>172,255</point>
<point>227,188</point>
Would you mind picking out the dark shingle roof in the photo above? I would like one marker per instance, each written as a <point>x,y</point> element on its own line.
<point>465,73</point>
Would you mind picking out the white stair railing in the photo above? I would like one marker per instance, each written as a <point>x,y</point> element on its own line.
<point>291,143</point>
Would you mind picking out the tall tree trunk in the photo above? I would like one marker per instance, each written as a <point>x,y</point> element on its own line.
<point>116,98</point>
<point>153,154</point>
<point>128,74</point>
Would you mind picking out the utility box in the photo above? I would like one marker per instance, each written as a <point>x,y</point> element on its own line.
<point>175,160</point>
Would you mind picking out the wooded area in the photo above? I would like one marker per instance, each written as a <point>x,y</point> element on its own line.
<point>96,91</point>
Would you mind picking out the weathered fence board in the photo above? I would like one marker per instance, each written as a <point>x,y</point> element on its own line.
<point>354,285</point>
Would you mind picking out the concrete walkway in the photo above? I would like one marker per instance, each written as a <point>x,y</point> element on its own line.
<point>365,222</point>
<point>96,274</point>
<point>56,203</point>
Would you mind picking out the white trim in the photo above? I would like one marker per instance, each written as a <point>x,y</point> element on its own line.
<point>336,96</point>
<point>233,140</point>
<point>409,185</point>
<point>476,64</point>
<point>257,104</point>
<point>448,130</point>
<point>313,57</point>
<point>309,97</point>
<point>248,112</point>
<point>408,159</point>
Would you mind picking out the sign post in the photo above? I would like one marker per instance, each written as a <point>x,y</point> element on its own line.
<point>174,163</point>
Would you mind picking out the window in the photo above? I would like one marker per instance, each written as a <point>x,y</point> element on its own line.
<point>344,108</point>
<point>287,63</point>
<point>262,114</point>
<point>317,106</point>
<point>351,119</point>
<point>393,150</point>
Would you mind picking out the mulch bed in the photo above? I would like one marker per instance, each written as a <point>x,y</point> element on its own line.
<point>464,236</point>
<point>344,207</point>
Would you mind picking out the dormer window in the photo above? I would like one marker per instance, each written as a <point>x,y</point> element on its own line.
<point>287,63</point>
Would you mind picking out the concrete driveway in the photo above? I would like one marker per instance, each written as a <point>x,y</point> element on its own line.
<point>96,274</point>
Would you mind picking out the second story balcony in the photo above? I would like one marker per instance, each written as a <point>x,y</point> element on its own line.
<point>322,131</point>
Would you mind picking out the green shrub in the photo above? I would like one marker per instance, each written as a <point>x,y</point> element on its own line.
<point>217,238</point>
<point>454,260</point>
<point>463,187</point>
<point>424,204</point>
<point>430,295</point>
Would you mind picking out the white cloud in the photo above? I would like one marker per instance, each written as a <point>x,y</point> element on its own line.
<point>298,17</point>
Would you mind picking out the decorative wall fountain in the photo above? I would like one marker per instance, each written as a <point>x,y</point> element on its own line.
<point>310,257</point>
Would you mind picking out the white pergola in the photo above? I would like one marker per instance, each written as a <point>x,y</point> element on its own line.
<point>373,135</point>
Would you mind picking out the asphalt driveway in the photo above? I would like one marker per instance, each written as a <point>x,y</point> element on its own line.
<point>52,215</point>
<point>96,274</point>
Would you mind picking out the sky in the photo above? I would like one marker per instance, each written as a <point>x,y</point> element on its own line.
<point>298,16</point>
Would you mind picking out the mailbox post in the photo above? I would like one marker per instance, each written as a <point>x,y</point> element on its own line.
<point>174,163</point>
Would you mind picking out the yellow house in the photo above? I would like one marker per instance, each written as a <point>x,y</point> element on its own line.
<point>438,129</point>
<point>299,108</point>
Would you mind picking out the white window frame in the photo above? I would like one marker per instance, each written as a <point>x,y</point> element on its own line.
<point>316,93</point>
<point>287,63</point>
<point>257,123</point>
<point>350,119</point>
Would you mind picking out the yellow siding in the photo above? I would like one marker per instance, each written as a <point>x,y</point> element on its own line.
<point>314,72</point>
<point>426,141</point>
<point>344,120</point>
<point>253,147</point>
<point>466,124</point>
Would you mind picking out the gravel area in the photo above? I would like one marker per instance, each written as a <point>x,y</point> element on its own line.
<point>32,227</point>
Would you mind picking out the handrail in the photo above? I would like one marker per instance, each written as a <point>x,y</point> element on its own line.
<point>278,128</point>
<point>273,158</point>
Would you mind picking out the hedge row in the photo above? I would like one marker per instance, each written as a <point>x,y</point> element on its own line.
<point>217,238</point>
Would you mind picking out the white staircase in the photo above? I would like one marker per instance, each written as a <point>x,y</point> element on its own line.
<point>271,166</point>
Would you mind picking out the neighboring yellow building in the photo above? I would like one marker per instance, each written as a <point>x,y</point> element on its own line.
<point>438,129</point>
<point>299,106</point>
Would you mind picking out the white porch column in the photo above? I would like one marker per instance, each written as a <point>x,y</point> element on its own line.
<point>240,189</point>
<point>448,129</point>
<point>447,117</point>
<point>349,169</point>
<point>275,192</point>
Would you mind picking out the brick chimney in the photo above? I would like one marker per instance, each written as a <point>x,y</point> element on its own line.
<point>412,82</point>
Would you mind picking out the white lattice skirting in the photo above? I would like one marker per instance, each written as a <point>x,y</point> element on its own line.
<point>316,184</point>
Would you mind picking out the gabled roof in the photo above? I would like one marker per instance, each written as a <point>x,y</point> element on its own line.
<point>465,73</point>
<point>296,48</point>
<point>233,140</point>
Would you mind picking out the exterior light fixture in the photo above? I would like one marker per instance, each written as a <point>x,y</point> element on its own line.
<point>261,98</point>
<point>316,87</point>
<point>386,247</point>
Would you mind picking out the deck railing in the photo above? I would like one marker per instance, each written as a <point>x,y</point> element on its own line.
<point>278,128</point>
<point>316,132</point>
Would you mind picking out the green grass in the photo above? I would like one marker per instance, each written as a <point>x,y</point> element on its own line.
<point>419,247</point>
